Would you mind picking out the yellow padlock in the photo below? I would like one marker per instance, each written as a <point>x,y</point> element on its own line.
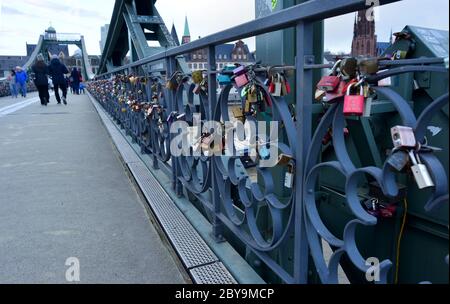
<point>197,77</point>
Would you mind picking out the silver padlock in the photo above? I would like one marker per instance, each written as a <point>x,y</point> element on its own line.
<point>420,172</point>
<point>386,82</point>
<point>368,107</point>
<point>278,86</point>
<point>289,177</point>
<point>403,137</point>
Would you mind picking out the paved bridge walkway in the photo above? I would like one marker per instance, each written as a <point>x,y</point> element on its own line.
<point>64,192</point>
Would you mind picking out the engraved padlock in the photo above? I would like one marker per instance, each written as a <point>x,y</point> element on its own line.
<point>331,82</point>
<point>241,80</point>
<point>420,172</point>
<point>332,97</point>
<point>354,104</point>
<point>403,137</point>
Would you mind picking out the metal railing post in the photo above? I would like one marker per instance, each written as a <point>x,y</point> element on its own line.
<point>170,98</point>
<point>217,225</point>
<point>304,40</point>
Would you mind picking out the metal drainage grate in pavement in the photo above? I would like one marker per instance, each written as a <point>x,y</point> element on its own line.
<point>212,274</point>
<point>190,246</point>
<point>198,258</point>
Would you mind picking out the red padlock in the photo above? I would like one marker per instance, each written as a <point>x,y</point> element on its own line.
<point>331,97</point>
<point>331,82</point>
<point>288,87</point>
<point>271,88</point>
<point>354,104</point>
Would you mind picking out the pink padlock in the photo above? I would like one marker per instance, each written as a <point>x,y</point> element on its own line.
<point>354,104</point>
<point>241,80</point>
<point>239,70</point>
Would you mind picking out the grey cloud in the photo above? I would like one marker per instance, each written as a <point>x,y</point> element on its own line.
<point>61,7</point>
<point>13,11</point>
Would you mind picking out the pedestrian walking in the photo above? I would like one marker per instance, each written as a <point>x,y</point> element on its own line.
<point>41,72</point>
<point>12,83</point>
<point>58,71</point>
<point>75,77</point>
<point>80,75</point>
<point>21,81</point>
<point>68,83</point>
<point>82,88</point>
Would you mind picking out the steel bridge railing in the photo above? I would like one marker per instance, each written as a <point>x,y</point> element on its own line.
<point>222,185</point>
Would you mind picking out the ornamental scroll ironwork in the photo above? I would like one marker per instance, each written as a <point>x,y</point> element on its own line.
<point>385,176</point>
<point>240,197</point>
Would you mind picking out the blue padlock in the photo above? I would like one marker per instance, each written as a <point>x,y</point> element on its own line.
<point>264,153</point>
<point>224,79</point>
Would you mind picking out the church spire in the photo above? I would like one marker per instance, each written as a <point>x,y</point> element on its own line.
<point>174,34</point>
<point>187,34</point>
<point>364,39</point>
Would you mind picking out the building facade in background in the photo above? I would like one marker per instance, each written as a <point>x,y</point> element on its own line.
<point>364,41</point>
<point>103,35</point>
<point>226,54</point>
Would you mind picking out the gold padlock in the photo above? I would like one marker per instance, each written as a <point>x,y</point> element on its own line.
<point>173,82</point>
<point>197,77</point>
<point>133,80</point>
<point>237,113</point>
<point>144,80</point>
<point>284,159</point>
<point>319,95</point>
<point>247,106</point>
<point>206,141</point>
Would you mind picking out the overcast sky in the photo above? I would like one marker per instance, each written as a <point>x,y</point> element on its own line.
<point>23,21</point>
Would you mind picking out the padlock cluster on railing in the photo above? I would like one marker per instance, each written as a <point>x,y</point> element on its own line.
<point>347,80</point>
<point>147,106</point>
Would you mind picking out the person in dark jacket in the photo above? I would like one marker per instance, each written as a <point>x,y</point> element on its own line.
<point>40,71</point>
<point>57,72</point>
<point>69,84</point>
<point>75,77</point>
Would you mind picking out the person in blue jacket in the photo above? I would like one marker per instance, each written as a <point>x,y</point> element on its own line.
<point>57,71</point>
<point>21,81</point>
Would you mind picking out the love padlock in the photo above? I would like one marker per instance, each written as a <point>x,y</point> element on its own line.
<point>330,82</point>
<point>241,80</point>
<point>197,76</point>
<point>354,104</point>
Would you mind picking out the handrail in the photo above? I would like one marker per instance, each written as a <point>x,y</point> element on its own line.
<point>313,10</point>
